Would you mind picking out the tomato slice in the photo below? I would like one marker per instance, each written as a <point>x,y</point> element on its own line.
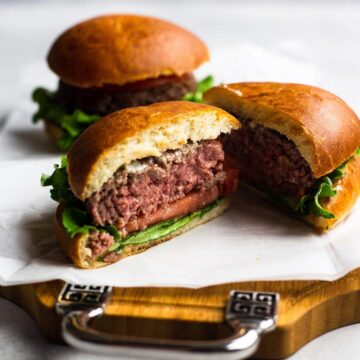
<point>188,204</point>
<point>231,181</point>
<point>147,83</point>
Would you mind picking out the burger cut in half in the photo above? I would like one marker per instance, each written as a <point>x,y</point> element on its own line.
<point>298,146</point>
<point>139,177</point>
<point>115,62</point>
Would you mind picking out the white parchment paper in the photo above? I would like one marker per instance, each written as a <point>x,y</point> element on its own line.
<point>251,241</point>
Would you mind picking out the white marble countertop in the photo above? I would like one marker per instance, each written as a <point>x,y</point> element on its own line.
<point>324,33</point>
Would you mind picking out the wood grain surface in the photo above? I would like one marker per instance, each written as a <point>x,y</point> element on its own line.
<point>307,310</point>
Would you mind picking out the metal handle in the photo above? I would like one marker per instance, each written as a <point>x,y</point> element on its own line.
<point>249,314</point>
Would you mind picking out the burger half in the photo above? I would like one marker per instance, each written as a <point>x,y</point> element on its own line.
<point>298,146</point>
<point>139,177</point>
<point>114,62</point>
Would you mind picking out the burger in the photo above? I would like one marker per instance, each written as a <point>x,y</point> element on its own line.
<point>115,62</point>
<point>298,146</point>
<point>139,177</point>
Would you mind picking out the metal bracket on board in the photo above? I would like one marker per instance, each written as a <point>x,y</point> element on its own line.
<point>249,314</point>
<point>257,308</point>
<point>81,297</point>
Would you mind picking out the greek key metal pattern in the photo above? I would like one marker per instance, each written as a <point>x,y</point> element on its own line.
<point>248,314</point>
<point>75,297</point>
<point>249,305</point>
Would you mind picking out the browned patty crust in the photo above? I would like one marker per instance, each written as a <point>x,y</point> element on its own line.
<point>107,99</point>
<point>269,160</point>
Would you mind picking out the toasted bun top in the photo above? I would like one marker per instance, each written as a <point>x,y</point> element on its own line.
<point>136,133</point>
<point>117,49</point>
<point>323,127</point>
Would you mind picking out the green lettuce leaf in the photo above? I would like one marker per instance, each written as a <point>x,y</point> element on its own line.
<point>58,180</point>
<point>311,203</point>
<point>112,230</point>
<point>75,218</point>
<point>48,106</point>
<point>76,221</point>
<point>162,229</point>
<point>325,190</point>
<point>202,86</point>
<point>72,123</point>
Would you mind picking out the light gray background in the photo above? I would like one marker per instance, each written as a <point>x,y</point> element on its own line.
<point>328,30</point>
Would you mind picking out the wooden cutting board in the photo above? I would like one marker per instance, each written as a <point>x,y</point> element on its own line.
<point>307,309</point>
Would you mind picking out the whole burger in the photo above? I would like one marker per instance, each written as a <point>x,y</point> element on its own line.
<point>114,62</point>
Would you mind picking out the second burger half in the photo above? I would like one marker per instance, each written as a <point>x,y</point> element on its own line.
<point>298,147</point>
<point>141,176</point>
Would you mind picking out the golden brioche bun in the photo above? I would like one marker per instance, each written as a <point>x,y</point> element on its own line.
<point>76,247</point>
<point>136,133</point>
<point>53,131</point>
<point>323,127</point>
<point>118,49</point>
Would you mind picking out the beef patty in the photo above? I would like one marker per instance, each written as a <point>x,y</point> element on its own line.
<point>107,99</point>
<point>269,160</point>
<point>145,186</point>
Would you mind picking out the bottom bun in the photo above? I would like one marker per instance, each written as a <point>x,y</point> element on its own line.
<point>53,131</point>
<point>348,191</point>
<point>76,249</point>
